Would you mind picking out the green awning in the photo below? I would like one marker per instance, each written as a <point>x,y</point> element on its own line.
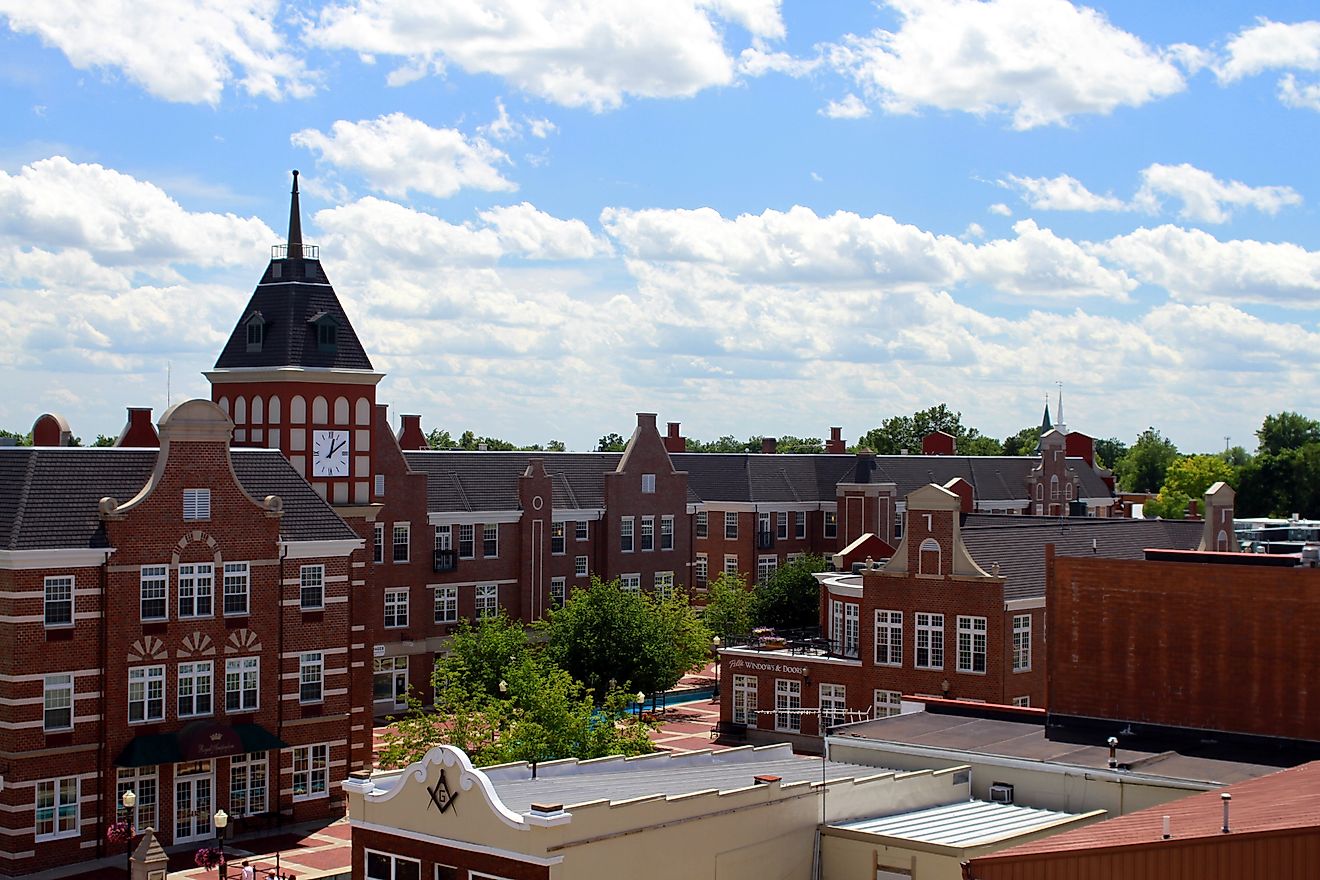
<point>197,741</point>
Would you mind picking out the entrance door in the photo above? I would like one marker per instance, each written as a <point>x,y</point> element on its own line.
<point>390,684</point>
<point>192,802</point>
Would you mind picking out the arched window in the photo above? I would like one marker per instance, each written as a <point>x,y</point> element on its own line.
<point>341,411</point>
<point>1040,491</point>
<point>258,411</point>
<point>363,414</point>
<point>223,403</point>
<point>1221,542</point>
<point>1054,488</point>
<point>273,410</point>
<point>929,557</point>
<point>240,410</point>
<point>1068,491</point>
<point>297,410</point>
<point>320,411</point>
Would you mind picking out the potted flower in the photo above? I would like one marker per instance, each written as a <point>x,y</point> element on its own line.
<point>119,833</point>
<point>208,857</point>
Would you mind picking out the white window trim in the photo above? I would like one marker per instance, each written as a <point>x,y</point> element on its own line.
<point>378,543</point>
<point>627,530</point>
<point>581,567</point>
<point>308,795</point>
<point>195,676</point>
<point>142,586</point>
<point>1022,632</point>
<point>57,834</point>
<point>935,639</point>
<point>967,626</point>
<point>240,663</point>
<point>485,528</point>
<point>60,581</point>
<point>148,675</point>
<point>315,661</point>
<point>190,577</point>
<point>485,595</point>
<point>446,598</point>
<point>391,599</point>
<point>889,624</point>
<point>64,686</point>
<point>406,543</point>
<point>303,572</point>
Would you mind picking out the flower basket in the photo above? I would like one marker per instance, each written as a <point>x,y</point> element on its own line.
<point>119,833</point>
<point>208,857</point>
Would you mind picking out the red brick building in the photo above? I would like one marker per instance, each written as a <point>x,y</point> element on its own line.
<point>958,612</point>
<point>176,623</point>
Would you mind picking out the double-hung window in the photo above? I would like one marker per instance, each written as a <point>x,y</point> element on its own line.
<point>930,641</point>
<point>833,705</point>
<point>702,525</point>
<point>155,591</point>
<point>800,524</point>
<point>831,529</point>
<point>664,584</point>
<point>782,526</point>
<point>488,600</point>
<point>971,644</point>
<point>888,703</point>
<point>648,533</point>
<point>1021,642</point>
<point>630,583</point>
<point>889,638</point>
<point>626,534</point>
<point>247,783</point>
<point>666,533</point>
<point>378,542</point>
<point>59,601</point>
<point>236,588</point>
<point>490,541</point>
<point>242,680</point>
<point>390,867</point>
<point>744,699</point>
<point>311,677</point>
<point>402,542</point>
<point>580,567</point>
<point>57,697</point>
<point>396,609</point>
<point>446,604</point>
<point>57,808</point>
<point>731,525</point>
<point>146,694</point>
<point>583,530</point>
<point>465,541</point>
<point>557,538</point>
<point>194,697</point>
<point>731,564</point>
<point>196,589</point>
<point>311,772</point>
<point>311,596</point>
<point>766,566</point>
<point>557,590</point>
<point>700,567</point>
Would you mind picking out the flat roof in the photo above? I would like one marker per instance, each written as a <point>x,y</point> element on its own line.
<point>965,824</point>
<point>1287,799</point>
<point>668,774</point>
<point>1028,740</point>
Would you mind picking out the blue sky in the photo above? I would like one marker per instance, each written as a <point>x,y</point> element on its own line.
<point>748,216</point>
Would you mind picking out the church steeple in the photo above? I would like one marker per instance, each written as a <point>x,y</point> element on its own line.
<point>1044,423</point>
<point>295,244</point>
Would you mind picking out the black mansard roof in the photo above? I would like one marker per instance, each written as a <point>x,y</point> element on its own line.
<point>49,495</point>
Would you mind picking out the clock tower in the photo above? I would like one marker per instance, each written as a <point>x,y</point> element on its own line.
<point>293,375</point>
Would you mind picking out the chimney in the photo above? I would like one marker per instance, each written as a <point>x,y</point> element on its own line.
<point>674,442</point>
<point>1191,509</point>
<point>835,445</point>
<point>768,445</point>
<point>139,432</point>
<point>51,430</point>
<point>410,433</point>
<point>939,443</point>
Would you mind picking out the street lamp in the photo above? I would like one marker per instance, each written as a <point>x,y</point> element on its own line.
<point>221,820</point>
<point>715,645</point>
<point>129,801</point>
<point>641,698</point>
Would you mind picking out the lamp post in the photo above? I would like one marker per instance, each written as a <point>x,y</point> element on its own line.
<point>221,820</point>
<point>641,698</point>
<point>715,645</point>
<point>129,801</point>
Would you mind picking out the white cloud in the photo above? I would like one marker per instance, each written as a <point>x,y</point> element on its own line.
<point>755,61</point>
<point>118,221</point>
<point>973,232</point>
<point>592,53</point>
<point>1193,265</point>
<point>1063,193</point>
<point>396,154</point>
<point>999,209</point>
<point>541,128</point>
<point>1204,197</point>
<point>1270,45</point>
<point>525,231</point>
<point>185,52</point>
<point>851,107</point>
<point>1043,61</point>
<point>1306,96</point>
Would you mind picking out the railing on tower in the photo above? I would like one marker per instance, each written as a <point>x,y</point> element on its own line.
<point>309,251</point>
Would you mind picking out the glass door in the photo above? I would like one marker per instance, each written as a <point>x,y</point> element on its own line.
<point>192,802</point>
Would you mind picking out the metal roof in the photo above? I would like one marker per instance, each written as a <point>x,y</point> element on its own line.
<point>664,774</point>
<point>964,824</point>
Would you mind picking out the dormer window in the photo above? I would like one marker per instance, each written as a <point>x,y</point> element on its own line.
<point>256,331</point>
<point>327,331</point>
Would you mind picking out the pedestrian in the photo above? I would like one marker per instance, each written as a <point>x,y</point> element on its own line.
<point>248,872</point>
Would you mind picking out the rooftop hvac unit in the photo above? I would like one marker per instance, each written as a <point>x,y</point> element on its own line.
<point>1001,793</point>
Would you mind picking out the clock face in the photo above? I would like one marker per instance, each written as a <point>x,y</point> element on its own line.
<point>329,453</point>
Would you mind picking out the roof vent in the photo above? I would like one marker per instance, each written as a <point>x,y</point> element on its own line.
<point>1001,793</point>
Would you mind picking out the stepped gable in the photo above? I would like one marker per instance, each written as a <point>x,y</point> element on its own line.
<point>292,299</point>
<point>50,495</point>
<point>1017,543</point>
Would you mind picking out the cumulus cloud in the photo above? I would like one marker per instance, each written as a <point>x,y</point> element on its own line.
<point>1206,198</point>
<point>1270,45</point>
<point>999,209</point>
<point>396,154</point>
<point>590,54</point>
<point>1294,94</point>
<point>758,62</point>
<point>1041,61</point>
<point>179,52</point>
<point>1062,193</point>
<point>1193,265</point>
<point>849,107</point>
<point>525,231</point>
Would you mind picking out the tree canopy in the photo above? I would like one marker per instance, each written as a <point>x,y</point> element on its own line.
<point>1286,431</point>
<point>1024,442</point>
<point>1143,468</point>
<point>790,598</point>
<point>611,442</point>
<point>1187,479</point>
<point>1284,477</point>
<point>729,606</point>
<point>898,433</point>
<point>605,636</point>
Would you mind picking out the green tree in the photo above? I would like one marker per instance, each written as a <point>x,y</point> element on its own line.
<point>611,442</point>
<point>729,606</point>
<point>1284,478</point>
<point>791,445</point>
<point>1237,456</point>
<point>1187,479</point>
<point>1024,442</point>
<point>1287,430</point>
<point>898,433</point>
<point>1109,452</point>
<point>727,443</point>
<point>102,440</point>
<point>790,598</point>
<point>22,439</point>
<point>480,655</point>
<point>605,635</point>
<point>439,439</point>
<point>1143,468</point>
<point>556,446</point>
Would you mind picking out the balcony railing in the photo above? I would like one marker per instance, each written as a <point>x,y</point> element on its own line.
<point>445,560</point>
<point>281,251</point>
<point>765,540</point>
